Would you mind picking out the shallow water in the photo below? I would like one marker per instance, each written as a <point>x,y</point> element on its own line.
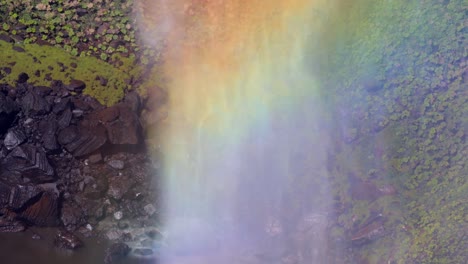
<point>21,248</point>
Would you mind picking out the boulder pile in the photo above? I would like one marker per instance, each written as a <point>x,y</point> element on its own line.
<point>67,161</point>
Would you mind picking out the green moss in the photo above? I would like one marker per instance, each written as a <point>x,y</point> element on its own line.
<point>88,68</point>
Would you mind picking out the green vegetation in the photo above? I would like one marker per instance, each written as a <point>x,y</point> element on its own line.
<point>41,63</point>
<point>77,26</point>
<point>416,52</point>
<point>99,37</point>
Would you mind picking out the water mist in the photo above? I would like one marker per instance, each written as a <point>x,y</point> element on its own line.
<point>245,141</point>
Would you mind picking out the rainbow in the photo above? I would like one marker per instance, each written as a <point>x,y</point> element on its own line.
<point>243,103</point>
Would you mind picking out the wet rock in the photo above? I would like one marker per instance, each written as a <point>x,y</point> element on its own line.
<point>13,138</point>
<point>154,234</point>
<point>143,251</point>
<point>149,209</point>
<point>76,86</point>
<point>114,234</point>
<point>97,188</point>
<point>115,252</point>
<point>123,125</point>
<point>95,158</point>
<point>119,186</point>
<point>122,225</point>
<point>44,212</point>
<point>81,141</point>
<point>11,226</point>
<point>116,164</point>
<point>29,162</point>
<point>67,240</point>
<point>71,216</point>
<point>147,242</point>
<point>95,210</point>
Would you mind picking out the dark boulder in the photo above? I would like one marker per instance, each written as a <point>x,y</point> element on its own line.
<point>76,86</point>
<point>92,102</point>
<point>19,195</point>
<point>68,135</point>
<point>48,128</point>
<point>29,162</point>
<point>42,90</point>
<point>126,129</point>
<point>32,103</point>
<point>82,140</point>
<point>44,212</point>
<point>107,115</point>
<point>80,104</point>
<point>60,105</point>
<point>14,138</point>
<point>64,118</point>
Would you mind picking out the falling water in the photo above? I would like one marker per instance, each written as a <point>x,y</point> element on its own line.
<point>246,137</point>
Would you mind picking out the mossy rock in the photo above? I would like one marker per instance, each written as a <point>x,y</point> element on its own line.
<point>46,63</point>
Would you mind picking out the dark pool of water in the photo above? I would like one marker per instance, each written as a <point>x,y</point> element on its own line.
<point>21,248</point>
